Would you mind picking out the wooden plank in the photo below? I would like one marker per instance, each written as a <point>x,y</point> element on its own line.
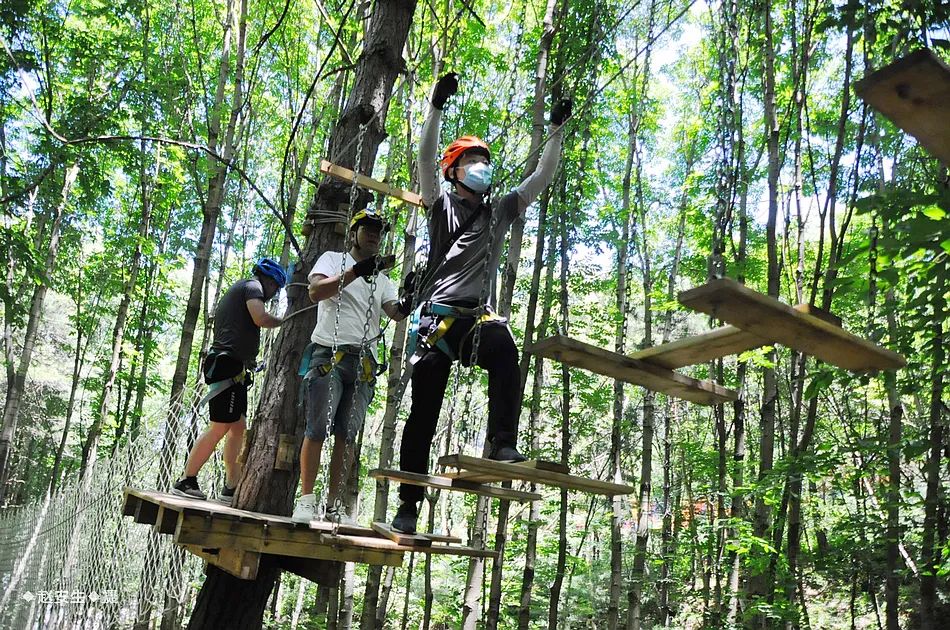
<point>348,176</point>
<point>145,512</point>
<point>914,92</point>
<point>238,562</point>
<point>767,317</point>
<point>384,544</point>
<point>516,471</point>
<point>442,538</point>
<point>446,483</point>
<point>409,540</point>
<point>470,476</point>
<point>130,503</point>
<point>630,370</point>
<point>166,521</point>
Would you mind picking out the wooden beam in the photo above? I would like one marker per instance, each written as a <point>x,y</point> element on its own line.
<point>769,318</point>
<point>344,542</point>
<point>516,471</point>
<point>583,355</point>
<point>914,92</point>
<point>400,538</point>
<point>166,521</point>
<point>458,485</point>
<point>240,563</point>
<point>348,176</point>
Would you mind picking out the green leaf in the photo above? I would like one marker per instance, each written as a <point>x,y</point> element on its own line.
<point>934,212</point>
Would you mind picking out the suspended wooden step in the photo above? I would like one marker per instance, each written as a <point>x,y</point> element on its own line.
<point>469,486</point>
<point>715,344</point>
<point>513,472</point>
<point>769,318</point>
<point>628,369</point>
<point>914,92</point>
<point>470,476</point>
<point>346,175</point>
<point>413,540</point>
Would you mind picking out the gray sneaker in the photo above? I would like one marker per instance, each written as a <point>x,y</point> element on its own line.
<point>188,487</point>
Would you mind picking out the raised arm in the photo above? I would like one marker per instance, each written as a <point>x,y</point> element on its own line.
<point>543,175</point>
<point>429,144</point>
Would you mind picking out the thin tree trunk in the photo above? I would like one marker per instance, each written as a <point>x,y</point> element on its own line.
<point>759,586</point>
<point>534,517</point>
<point>565,419</point>
<point>930,551</point>
<point>11,407</point>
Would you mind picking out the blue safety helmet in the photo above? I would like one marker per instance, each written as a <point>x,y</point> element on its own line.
<point>271,268</point>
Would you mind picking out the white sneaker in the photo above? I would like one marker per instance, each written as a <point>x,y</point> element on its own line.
<point>305,509</point>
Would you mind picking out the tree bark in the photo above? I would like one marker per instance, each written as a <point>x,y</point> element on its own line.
<point>264,489</point>
<point>930,550</point>
<point>11,407</point>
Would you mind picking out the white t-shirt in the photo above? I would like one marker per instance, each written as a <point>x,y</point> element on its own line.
<point>357,296</point>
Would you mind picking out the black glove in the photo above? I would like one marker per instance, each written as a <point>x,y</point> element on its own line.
<point>374,264</point>
<point>561,111</point>
<point>404,305</point>
<point>446,87</point>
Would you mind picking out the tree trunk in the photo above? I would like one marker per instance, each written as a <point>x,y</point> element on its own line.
<point>263,488</point>
<point>510,273</point>
<point>930,550</point>
<point>563,220</point>
<point>759,586</point>
<point>11,408</point>
<point>534,515</point>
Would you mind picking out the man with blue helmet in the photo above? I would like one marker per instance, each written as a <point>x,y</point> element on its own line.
<point>238,319</point>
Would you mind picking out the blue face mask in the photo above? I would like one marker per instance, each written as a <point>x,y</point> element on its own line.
<point>478,176</point>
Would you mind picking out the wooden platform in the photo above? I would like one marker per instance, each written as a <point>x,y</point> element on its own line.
<point>715,344</point>
<point>914,92</point>
<point>769,318</point>
<point>470,486</point>
<point>583,355</point>
<point>512,472</point>
<point>236,540</point>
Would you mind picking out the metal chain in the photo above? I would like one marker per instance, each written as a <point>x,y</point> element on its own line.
<point>354,194</point>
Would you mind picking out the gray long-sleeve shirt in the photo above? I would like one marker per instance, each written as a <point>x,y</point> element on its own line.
<point>457,276</point>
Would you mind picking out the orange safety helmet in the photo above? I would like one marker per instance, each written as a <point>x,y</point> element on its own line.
<point>463,145</point>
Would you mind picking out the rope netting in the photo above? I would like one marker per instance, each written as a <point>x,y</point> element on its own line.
<point>72,560</point>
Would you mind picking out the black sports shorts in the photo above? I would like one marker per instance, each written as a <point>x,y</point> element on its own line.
<point>231,404</point>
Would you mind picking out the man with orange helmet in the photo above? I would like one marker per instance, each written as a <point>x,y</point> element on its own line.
<point>467,232</point>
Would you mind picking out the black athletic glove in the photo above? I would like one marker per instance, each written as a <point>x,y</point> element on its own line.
<point>404,305</point>
<point>561,111</point>
<point>446,87</point>
<point>374,264</point>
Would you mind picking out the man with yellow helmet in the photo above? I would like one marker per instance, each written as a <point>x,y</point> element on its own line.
<point>467,232</point>
<point>340,364</point>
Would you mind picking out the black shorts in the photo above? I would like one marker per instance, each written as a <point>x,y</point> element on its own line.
<point>231,404</point>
